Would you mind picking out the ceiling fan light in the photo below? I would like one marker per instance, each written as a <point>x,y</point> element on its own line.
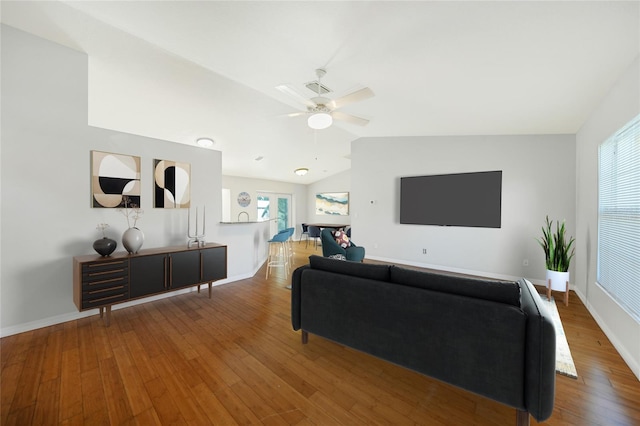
<point>301,171</point>
<point>320,120</point>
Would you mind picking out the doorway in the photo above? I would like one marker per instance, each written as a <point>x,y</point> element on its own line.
<point>275,207</point>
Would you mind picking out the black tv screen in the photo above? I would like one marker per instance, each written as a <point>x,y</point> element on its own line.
<point>460,199</point>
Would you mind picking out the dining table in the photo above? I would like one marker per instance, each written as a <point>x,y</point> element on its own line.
<point>328,225</point>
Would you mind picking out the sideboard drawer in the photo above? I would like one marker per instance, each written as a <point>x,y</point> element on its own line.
<point>101,271</point>
<point>105,296</point>
<point>104,283</point>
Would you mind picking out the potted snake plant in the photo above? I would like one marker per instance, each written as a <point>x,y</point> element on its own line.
<point>558,251</point>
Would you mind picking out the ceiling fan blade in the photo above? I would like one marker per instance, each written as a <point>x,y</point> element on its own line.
<point>349,118</point>
<point>293,93</point>
<point>357,96</point>
<point>293,114</point>
<point>297,114</point>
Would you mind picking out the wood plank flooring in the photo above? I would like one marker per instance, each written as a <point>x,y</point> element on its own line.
<point>234,359</point>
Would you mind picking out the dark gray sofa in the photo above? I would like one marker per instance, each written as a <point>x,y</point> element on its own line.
<point>493,338</point>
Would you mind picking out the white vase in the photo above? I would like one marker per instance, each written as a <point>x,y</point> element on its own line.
<point>558,279</point>
<point>132,239</point>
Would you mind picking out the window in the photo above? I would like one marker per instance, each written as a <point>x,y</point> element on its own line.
<point>619,217</point>
<point>263,208</point>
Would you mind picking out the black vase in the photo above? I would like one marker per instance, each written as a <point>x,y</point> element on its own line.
<point>105,246</point>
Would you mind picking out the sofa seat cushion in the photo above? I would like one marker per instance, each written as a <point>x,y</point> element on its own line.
<point>497,291</point>
<point>355,269</point>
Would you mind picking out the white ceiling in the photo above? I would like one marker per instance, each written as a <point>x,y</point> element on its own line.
<point>177,70</point>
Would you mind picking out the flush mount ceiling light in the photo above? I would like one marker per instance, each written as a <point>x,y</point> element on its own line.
<point>205,142</point>
<point>320,120</point>
<point>301,171</point>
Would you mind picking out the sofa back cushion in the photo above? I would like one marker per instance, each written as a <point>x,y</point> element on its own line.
<point>356,269</point>
<point>497,291</point>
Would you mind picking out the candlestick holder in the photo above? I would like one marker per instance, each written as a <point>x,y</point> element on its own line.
<point>196,238</point>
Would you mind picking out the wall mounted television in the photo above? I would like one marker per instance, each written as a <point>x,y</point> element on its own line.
<point>459,199</point>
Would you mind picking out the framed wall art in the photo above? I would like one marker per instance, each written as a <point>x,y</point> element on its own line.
<point>112,177</point>
<point>171,184</point>
<point>332,203</point>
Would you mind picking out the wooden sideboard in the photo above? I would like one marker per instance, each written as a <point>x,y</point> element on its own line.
<point>100,282</point>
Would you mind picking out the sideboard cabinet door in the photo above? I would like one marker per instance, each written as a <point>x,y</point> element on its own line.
<point>184,268</point>
<point>214,264</point>
<point>148,275</point>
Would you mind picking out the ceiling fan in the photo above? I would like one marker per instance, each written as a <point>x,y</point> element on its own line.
<point>321,110</point>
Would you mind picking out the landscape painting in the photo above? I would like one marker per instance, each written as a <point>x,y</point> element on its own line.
<point>332,203</point>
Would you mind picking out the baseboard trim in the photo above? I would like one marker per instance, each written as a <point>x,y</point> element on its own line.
<point>72,316</point>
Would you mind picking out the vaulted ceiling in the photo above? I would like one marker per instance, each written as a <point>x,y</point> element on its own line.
<point>179,70</point>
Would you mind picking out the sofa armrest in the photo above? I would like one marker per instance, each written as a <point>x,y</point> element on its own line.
<point>329,245</point>
<point>296,278</point>
<point>540,355</point>
<point>355,253</point>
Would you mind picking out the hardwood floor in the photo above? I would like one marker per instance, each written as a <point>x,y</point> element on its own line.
<point>234,359</point>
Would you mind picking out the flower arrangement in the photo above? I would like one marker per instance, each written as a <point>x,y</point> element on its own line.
<point>102,227</point>
<point>131,211</point>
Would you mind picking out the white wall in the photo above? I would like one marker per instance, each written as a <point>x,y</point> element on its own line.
<point>620,105</point>
<point>46,214</point>
<point>340,182</point>
<point>538,179</point>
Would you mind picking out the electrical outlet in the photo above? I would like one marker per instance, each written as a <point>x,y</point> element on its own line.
<point>424,251</point>
<point>525,262</point>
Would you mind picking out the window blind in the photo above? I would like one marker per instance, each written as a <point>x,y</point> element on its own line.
<point>619,217</point>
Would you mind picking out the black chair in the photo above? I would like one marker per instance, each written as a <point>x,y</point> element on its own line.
<point>305,233</point>
<point>314,232</point>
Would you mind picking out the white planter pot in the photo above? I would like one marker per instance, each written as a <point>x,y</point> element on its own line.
<point>559,280</point>
<point>132,239</point>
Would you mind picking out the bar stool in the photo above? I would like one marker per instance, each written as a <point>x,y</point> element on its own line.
<point>278,252</point>
<point>291,231</point>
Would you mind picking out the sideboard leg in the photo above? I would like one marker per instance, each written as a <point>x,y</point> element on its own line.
<point>107,318</point>
<point>566,295</point>
<point>198,288</point>
<point>305,337</point>
<point>522,418</point>
<point>210,285</point>
<point>101,311</point>
<point>549,289</point>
